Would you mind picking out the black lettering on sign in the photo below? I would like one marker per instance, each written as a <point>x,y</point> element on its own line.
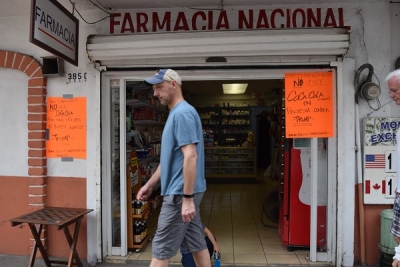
<point>309,104</point>
<point>66,121</point>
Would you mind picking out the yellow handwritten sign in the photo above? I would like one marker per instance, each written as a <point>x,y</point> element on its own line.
<point>66,125</point>
<point>309,105</point>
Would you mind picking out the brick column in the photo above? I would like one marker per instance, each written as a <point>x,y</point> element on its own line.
<point>37,116</point>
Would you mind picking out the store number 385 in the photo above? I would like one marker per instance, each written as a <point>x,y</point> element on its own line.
<point>73,77</point>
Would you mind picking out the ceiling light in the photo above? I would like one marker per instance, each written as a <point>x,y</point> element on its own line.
<point>234,88</point>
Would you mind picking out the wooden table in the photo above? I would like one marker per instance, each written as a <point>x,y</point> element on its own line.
<point>59,217</point>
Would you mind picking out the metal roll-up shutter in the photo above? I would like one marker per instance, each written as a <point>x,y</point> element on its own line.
<point>283,46</point>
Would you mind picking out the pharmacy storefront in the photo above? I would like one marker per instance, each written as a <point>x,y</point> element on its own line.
<point>264,45</point>
<point>210,46</point>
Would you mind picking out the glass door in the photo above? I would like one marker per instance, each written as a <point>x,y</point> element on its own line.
<point>117,124</point>
<point>114,167</point>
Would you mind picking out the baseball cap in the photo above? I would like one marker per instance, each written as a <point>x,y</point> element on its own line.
<point>164,75</point>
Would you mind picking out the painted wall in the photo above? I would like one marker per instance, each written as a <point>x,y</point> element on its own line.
<point>370,42</point>
<point>14,117</point>
<point>13,203</point>
<point>80,174</point>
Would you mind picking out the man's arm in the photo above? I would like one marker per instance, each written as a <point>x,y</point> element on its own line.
<point>146,190</point>
<point>212,239</point>
<point>189,180</point>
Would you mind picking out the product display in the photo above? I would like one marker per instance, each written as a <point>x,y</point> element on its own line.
<point>210,119</point>
<point>226,126</point>
<point>230,162</point>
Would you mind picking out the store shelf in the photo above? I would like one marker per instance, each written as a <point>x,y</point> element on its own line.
<point>224,126</point>
<point>149,159</point>
<point>134,103</point>
<point>148,123</point>
<point>142,244</point>
<point>230,162</point>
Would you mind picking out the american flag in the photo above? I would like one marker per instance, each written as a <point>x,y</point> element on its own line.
<point>376,161</point>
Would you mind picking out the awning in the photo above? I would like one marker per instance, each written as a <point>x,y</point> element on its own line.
<point>284,46</point>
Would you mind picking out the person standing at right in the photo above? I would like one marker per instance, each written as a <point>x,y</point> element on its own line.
<point>393,80</point>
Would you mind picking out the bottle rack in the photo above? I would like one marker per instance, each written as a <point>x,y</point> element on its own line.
<point>132,190</point>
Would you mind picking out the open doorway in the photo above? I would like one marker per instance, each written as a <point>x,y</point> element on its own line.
<point>234,208</point>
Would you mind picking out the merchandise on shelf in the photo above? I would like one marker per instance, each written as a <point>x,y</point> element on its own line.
<point>143,97</point>
<point>208,134</point>
<point>226,126</point>
<point>230,162</point>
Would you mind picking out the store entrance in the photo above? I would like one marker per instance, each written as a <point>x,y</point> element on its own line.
<point>245,161</point>
<point>243,137</point>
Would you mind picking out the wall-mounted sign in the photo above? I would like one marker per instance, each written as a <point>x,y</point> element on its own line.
<point>379,159</point>
<point>186,20</point>
<point>54,29</point>
<point>309,105</point>
<point>66,127</point>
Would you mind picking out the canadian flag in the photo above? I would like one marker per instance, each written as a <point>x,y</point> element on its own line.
<point>375,187</point>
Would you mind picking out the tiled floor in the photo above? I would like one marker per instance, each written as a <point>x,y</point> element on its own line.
<point>233,214</point>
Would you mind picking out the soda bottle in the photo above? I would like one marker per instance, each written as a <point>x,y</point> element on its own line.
<point>217,259</point>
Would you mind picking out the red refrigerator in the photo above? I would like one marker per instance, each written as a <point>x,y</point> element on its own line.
<point>295,196</point>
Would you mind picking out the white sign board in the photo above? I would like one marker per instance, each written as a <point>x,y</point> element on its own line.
<point>55,29</point>
<point>379,160</point>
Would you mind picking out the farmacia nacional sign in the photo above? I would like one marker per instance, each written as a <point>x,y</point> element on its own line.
<point>213,20</point>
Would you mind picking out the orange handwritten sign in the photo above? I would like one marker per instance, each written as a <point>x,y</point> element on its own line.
<point>309,105</point>
<point>66,125</point>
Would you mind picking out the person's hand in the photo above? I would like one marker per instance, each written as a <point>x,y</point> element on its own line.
<point>189,210</point>
<point>144,193</point>
<point>396,263</point>
<point>217,249</point>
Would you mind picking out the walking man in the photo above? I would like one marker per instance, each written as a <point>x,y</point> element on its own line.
<point>181,173</point>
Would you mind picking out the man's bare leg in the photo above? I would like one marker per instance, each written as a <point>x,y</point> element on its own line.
<point>202,258</point>
<point>159,263</point>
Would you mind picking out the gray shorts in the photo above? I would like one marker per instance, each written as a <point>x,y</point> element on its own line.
<point>172,231</point>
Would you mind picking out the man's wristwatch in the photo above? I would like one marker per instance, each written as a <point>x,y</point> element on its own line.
<point>188,196</point>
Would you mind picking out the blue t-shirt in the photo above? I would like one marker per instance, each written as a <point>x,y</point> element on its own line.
<point>182,127</point>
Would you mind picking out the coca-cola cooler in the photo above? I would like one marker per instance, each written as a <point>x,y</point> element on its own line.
<point>295,194</point>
